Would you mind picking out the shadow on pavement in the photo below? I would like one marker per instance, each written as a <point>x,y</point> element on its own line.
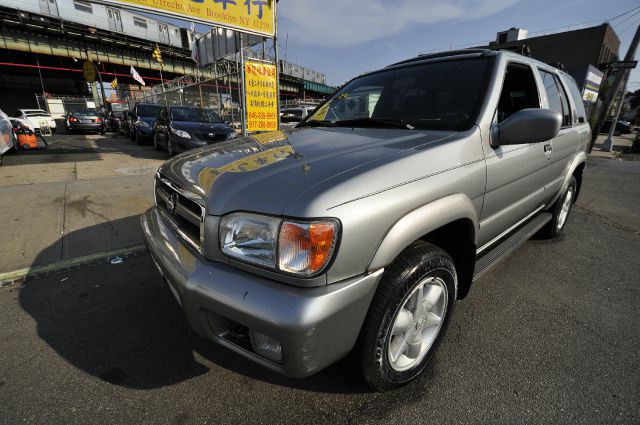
<point>120,323</point>
<point>81,148</point>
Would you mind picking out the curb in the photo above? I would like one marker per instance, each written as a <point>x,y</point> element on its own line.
<point>20,275</point>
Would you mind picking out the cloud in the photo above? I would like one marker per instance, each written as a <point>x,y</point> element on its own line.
<point>345,23</point>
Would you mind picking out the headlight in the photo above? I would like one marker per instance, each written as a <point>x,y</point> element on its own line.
<point>180,133</point>
<point>250,237</point>
<point>302,248</point>
<point>142,124</point>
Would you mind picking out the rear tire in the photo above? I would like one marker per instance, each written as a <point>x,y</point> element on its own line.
<point>407,318</point>
<point>560,211</point>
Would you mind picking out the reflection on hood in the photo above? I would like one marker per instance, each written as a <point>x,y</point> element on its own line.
<point>255,152</point>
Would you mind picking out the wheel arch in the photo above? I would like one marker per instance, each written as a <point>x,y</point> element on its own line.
<point>577,172</point>
<point>449,223</point>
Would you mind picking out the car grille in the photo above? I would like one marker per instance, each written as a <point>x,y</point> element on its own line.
<point>182,209</point>
<point>216,137</point>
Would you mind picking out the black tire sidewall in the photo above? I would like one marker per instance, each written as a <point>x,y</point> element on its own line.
<point>434,263</point>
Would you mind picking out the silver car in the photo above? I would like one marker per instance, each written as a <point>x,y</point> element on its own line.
<point>357,231</point>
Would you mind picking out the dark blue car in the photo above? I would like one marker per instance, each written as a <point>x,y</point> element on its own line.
<point>144,115</point>
<point>181,128</point>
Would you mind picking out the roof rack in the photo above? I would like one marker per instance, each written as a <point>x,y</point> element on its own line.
<point>521,49</point>
<point>558,65</point>
<point>424,56</point>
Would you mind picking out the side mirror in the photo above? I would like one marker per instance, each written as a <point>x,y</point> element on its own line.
<point>528,126</point>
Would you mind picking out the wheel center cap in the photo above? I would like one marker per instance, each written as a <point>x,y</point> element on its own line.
<point>420,323</point>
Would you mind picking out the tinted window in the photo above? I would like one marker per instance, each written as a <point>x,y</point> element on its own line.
<point>86,113</point>
<point>188,113</point>
<point>83,6</point>
<point>291,115</point>
<point>579,112</point>
<point>438,95</point>
<point>519,91</point>
<point>149,110</point>
<point>557,97</point>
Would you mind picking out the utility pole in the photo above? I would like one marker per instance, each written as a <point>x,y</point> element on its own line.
<point>607,146</point>
<point>617,85</point>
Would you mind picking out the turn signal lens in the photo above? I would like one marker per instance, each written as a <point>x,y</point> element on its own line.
<point>305,248</point>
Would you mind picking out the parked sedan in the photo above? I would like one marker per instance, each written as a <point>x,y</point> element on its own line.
<point>37,118</point>
<point>142,119</point>
<point>290,117</point>
<point>622,127</point>
<point>181,128</point>
<point>84,120</point>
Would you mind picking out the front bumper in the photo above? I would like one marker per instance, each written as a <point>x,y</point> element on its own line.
<point>315,326</point>
<point>86,127</point>
<point>144,132</point>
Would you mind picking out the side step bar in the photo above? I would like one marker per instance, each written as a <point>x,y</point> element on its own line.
<point>499,252</point>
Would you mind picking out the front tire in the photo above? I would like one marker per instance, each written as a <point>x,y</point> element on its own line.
<point>560,211</point>
<point>170,149</point>
<point>156,145</point>
<point>407,318</point>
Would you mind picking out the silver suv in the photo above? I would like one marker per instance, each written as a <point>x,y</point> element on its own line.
<point>356,232</point>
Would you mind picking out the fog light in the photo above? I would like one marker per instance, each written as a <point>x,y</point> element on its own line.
<point>266,346</point>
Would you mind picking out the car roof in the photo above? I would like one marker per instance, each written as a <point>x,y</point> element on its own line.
<point>33,110</point>
<point>469,53</point>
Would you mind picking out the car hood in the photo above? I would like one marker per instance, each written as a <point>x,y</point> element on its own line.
<point>265,172</point>
<point>201,127</point>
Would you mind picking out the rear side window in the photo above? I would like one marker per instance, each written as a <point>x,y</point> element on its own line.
<point>558,100</point>
<point>519,91</point>
<point>579,113</point>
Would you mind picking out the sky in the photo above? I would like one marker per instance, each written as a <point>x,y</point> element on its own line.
<point>344,38</point>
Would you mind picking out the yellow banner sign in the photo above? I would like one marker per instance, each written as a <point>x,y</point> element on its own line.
<point>262,98</point>
<point>255,16</point>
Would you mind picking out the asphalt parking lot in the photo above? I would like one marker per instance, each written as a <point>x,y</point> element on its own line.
<point>549,336</point>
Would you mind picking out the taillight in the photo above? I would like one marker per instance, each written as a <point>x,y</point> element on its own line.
<point>99,119</point>
<point>73,119</point>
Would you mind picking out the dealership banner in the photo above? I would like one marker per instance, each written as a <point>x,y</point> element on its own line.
<point>253,16</point>
<point>262,96</point>
<point>592,84</point>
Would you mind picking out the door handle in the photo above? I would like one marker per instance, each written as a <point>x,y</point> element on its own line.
<point>547,149</point>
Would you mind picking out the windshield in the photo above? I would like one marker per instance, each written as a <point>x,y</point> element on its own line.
<point>438,95</point>
<point>193,114</point>
<point>86,113</point>
<point>119,107</point>
<point>149,110</point>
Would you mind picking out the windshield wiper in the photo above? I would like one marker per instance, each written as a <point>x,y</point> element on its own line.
<point>375,122</point>
<point>317,123</point>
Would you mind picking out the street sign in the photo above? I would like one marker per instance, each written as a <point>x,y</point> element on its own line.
<point>251,16</point>
<point>623,64</point>
<point>89,71</point>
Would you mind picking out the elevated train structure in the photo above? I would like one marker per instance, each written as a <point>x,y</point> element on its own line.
<point>108,18</point>
<point>43,44</point>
